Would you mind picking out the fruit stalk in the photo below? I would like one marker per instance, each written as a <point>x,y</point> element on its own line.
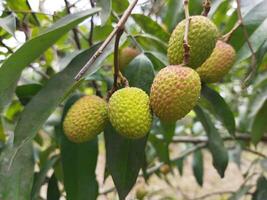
<point>120,24</point>
<point>206,7</point>
<point>186,45</point>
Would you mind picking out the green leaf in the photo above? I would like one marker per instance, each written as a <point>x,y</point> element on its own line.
<point>220,108</point>
<point>173,13</point>
<point>180,165</point>
<point>79,164</point>
<point>119,6</point>
<point>159,60</point>
<point>198,167</point>
<point>168,131</point>
<point>256,15</point>
<point>151,27</point>
<point>10,71</point>
<point>215,143</point>
<point>161,148</point>
<point>140,73</point>
<point>39,109</point>
<point>35,114</point>
<point>9,24</point>
<point>125,157</point>
<point>151,43</point>
<point>106,10</point>
<point>53,192</point>
<point>40,177</point>
<point>257,38</point>
<point>259,126</point>
<point>261,191</point>
<point>2,132</point>
<point>16,179</point>
<point>26,92</point>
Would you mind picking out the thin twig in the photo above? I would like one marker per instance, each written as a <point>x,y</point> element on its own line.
<point>253,66</point>
<point>204,139</point>
<point>184,154</point>
<point>97,90</point>
<point>74,30</point>
<point>90,38</point>
<point>214,194</point>
<point>206,7</point>
<point>44,75</point>
<point>118,77</point>
<point>227,36</point>
<point>185,42</point>
<point>255,152</point>
<point>107,41</point>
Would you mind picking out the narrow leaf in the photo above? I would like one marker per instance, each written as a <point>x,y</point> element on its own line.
<point>215,143</point>
<point>220,107</point>
<point>257,38</point>
<point>16,180</point>
<point>125,157</point>
<point>53,192</point>
<point>40,177</point>
<point>10,70</point>
<point>26,92</point>
<point>79,164</point>
<point>106,10</point>
<point>151,27</point>
<point>9,24</point>
<point>198,167</point>
<point>259,126</point>
<point>261,191</point>
<point>140,73</point>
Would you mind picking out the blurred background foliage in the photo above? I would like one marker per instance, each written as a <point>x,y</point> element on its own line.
<point>44,44</point>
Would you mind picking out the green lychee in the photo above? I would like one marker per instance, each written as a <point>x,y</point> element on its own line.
<point>202,38</point>
<point>85,119</point>
<point>129,112</point>
<point>174,92</point>
<point>126,55</point>
<point>218,64</point>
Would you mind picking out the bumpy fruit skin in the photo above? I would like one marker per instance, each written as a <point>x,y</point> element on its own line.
<point>202,38</point>
<point>129,112</point>
<point>218,64</point>
<point>126,55</point>
<point>174,92</point>
<point>85,119</point>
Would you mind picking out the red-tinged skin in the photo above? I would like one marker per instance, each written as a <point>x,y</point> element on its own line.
<point>174,92</point>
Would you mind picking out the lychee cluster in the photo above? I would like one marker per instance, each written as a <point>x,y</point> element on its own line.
<point>174,92</point>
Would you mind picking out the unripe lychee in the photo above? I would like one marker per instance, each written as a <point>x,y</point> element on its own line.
<point>129,112</point>
<point>202,38</point>
<point>218,64</point>
<point>85,119</point>
<point>126,55</point>
<point>174,92</point>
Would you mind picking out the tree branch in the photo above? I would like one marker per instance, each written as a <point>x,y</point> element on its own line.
<point>204,139</point>
<point>253,66</point>
<point>183,154</point>
<point>227,36</point>
<point>119,79</point>
<point>107,41</point>
<point>74,30</point>
<point>185,42</point>
<point>206,7</point>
